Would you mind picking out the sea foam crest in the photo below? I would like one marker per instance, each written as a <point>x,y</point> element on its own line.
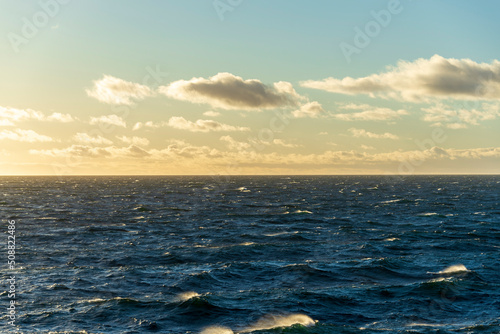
<point>273,321</point>
<point>453,269</point>
<point>183,296</point>
<point>217,330</point>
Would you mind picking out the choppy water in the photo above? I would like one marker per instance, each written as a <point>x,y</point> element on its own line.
<point>337,254</point>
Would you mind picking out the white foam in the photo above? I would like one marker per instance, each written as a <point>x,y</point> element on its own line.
<point>453,269</point>
<point>273,321</point>
<point>216,330</point>
<point>183,296</point>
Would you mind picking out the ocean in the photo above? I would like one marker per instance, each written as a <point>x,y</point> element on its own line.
<point>251,254</point>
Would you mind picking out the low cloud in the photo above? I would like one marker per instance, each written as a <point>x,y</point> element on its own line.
<point>363,133</point>
<point>85,138</point>
<point>138,141</point>
<point>365,112</point>
<point>460,118</point>
<point>109,119</point>
<point>310,109</point>
<point>28,136</point>
<point>116,91</point>
<point>227,91</point>
<point>202,125</point>
<point>421,79</point>
<point>10,116</point>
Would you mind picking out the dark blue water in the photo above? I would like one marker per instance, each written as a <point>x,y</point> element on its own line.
<point>336,254</point>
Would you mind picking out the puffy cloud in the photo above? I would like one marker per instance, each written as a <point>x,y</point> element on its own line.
<point>109,119</point>
<point>9,116</point>
<point>234,144</point>
<point>369,113</point>
<point>227,91</point>
<point>113,90</point>
<point>134,140</point>
<point>460,118</point>
<point>93,152</point>
<point>63,118</point>
<point>202,125</point>
<point>310,109</point>
<point>436,77</point>
<point>363,133</point>
<point>29,136</point>
<point>281,142</point>
<point>85,138</point>
<point>148,124</point>
<point>211,113</point>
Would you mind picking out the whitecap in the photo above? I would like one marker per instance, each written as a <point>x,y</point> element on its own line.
<point>456,268</point>
<point>303,211</point>
<point>183,296</point>
<point>453,269</point>
<point>272,321</point>
<point>216,330</point>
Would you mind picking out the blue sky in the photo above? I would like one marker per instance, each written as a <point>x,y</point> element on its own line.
<point>60,69</point>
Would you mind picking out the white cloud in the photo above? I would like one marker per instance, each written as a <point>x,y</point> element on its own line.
<point>85,138</point>
<point>16,115</point>
<point>234,144</point>
<point>202,125</point>
<point>369,113</point>
<point>113,90</point>
<point>63,118</point>
<point>227,91</point>
<point>436,77</point>
<point>137,141</point>
<point>29,136</point>
<point>460,118</point>
<point>109,119</point>
<point>10,116</point>
<point>366,147</point>
<point>310,109</point>
<point>363,133</point>
<point>211,113</point>
<point>281,142</point>
<point>93,152</point>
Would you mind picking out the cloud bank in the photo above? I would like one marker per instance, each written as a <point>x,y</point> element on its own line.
<point>437,77</point>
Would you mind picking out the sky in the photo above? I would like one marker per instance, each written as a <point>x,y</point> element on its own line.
<point>229,87</point>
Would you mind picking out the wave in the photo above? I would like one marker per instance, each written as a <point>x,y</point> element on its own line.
<point>216,330</point>
<point>273,321</point>
<point>456,268</point>
<point>183,296</point>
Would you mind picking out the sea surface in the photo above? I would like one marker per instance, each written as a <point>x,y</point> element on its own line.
<point>262,254</point>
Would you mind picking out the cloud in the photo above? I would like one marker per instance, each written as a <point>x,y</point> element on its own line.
<point>227,91</point>
<point>281,142</point>
<point>93,152</point>
<point>85,138</point>
<point>29,136</point>
<point>148,124</point>
<point>366,147</point>
<point>109,119</point>
<point>211,113</point>
<point>369,113</point>
<point>364,133</point>
<point>134,140</point>
<point>421,79</point>
<point>235,145</point>
<point>10,116</point>
<point>113,90</point>
<point>202,125</point>
<point>459,118</point>
<point>63,118</point>
<point>310,109</point>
